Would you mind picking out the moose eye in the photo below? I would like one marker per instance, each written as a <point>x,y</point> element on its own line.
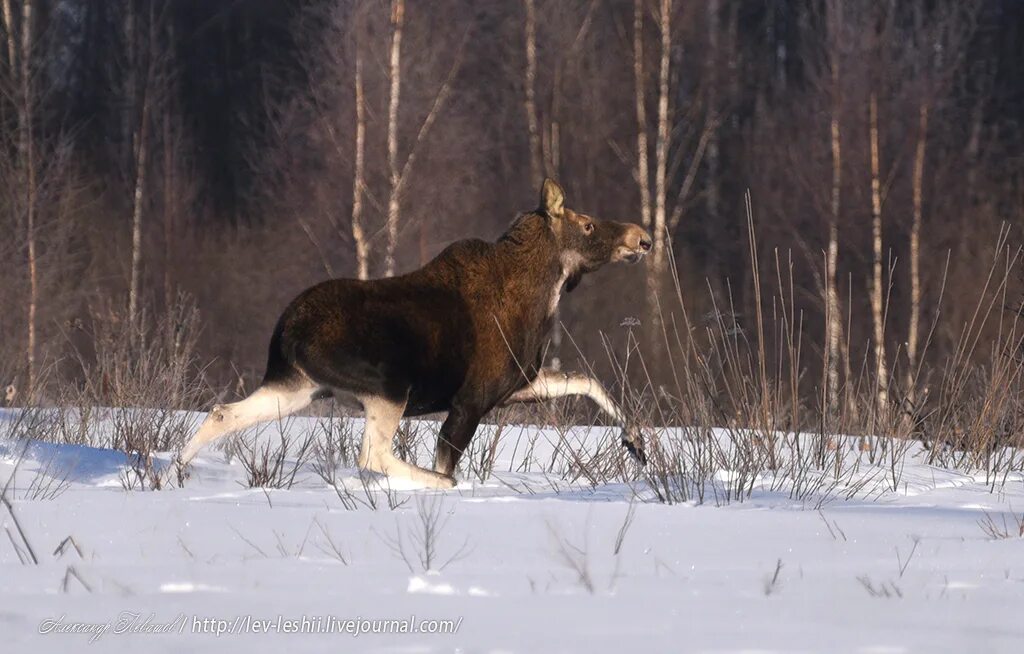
<point>588,228</point>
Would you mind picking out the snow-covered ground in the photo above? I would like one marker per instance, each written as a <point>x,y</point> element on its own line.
<point>523,562</point>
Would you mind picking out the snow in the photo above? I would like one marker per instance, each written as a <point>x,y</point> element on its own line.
<point>522,562</point>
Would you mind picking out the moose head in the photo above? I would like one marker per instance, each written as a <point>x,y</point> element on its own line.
<point>587,243</point>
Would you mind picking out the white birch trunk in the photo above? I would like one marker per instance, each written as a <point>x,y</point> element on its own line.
<point>530,90</point>
<point>661,146</point>
<point>358,182</point>
<point>27,148</point>
<point>833,314</point>
<point>915,255</point>
<point>12,48</point>
<point>138,200</point>
<point>659,257</point>
<point>170,207</point>
<point>395,76</point>
<point>643,177</point>
<point>877,308</point>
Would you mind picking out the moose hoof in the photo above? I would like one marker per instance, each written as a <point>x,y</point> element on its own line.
<point>635,450</point>
<point>446,482</point>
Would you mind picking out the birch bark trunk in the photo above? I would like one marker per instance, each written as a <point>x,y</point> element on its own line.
<point>358,177</point>
<point>833,314</point>
<point>12,48</point>
<point>877,308</point>
<point>529,95</point>
<point>138,202</point>
<point>661,146</point>
<point>26,147</point>
<point>643,176</point>
<point>915,254</point>
<point>395,75</point>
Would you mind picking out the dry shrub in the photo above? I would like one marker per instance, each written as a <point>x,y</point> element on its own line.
<point>775,430</point>
<point>149,376</point>
<point>273,463</point>
<point>750,379</point>
<point>335,445</point>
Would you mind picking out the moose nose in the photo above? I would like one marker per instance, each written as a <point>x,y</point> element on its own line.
<point>645,243</point>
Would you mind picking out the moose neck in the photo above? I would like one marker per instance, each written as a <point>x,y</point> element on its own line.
<point>534,260</point>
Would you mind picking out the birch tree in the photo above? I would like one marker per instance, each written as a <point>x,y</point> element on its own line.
<point>833,314</point>
<point>640,95</point>
<point>141,44</point>
<point>659,213</point>
<point>530,93</point>
<point>877,303</point>
<point>653,209</point>
<point>913,329</point>
<point>27,147</point>
<point>659,258</point>
<point>398,173</point>
<point>936,53</point>
<point>20,60</point>
<point>359,173</point>
<point>395,78</point>
<point>337,74</point>
<point>12,48</point>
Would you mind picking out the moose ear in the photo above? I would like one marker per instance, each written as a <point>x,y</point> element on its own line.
<point>552,198</point>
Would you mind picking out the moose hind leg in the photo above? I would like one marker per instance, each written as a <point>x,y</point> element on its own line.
<point>551,384</point>
<point>376,454</point>
<point>267,402</point>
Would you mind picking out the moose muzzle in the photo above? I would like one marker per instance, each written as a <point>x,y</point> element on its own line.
<point>636,242</point>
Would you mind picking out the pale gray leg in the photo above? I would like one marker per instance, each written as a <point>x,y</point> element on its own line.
<point>265,403</point>
<point>376,454</point>
<point>552,384</point>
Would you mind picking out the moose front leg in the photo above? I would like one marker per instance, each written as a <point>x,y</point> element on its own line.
<point>456,433</point>
<point>551,384</point>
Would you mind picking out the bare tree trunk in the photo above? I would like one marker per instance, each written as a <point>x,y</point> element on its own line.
<point>138,199</point>
<point>171,204</point>
<point>974,150</point>
<point>915,255</point>
<point>395,76</point>
<point>643,178</point>
<point>140,147</point>
<point>174,178</point>
<point>170,210</point>
<point>359,180</point>
<point>530,88</point>
<point>552,156</point>
<point>657,223</point>
<point>400,175</point>
<point>548,156</point>
<point>877,308</point>
<point>661,146</point>
<point>12,48</point>
<point>833,315</point>
<point>128,124</point>
<point>27,147</point>
<point>838,345</point>
<point>713,146</point>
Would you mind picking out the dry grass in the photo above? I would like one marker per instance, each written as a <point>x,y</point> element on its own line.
<point>1012,527</point>
<point>273,462</point>
<point>418,543</point>
<point>751,379</point>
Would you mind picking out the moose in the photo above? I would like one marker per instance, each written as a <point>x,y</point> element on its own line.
<point>464,334</point>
